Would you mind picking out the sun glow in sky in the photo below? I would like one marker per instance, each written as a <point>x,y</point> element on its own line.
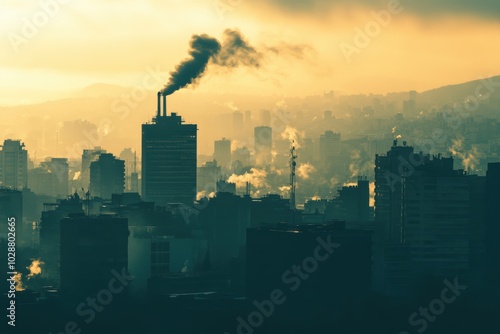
<point>50,47</point>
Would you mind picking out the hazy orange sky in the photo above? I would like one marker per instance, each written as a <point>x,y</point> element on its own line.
<point>51,48</point>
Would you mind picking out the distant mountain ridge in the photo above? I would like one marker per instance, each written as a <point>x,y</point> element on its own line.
<point>444,94</point>
<point>459,92</point>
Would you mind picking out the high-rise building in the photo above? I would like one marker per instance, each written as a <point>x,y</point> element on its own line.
<point>428,213</point>
<point>88,157</point>
<point>13,165</point>
<point>329,151</point>
<point>222,152</point>
<point>169,159</point>
<point>107,176</point>
<point>389,170</point>
<point>263,144</point>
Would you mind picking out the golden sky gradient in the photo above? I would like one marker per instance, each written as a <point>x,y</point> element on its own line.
<point>79,43</point>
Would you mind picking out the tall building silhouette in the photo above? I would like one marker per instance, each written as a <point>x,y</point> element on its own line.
<point>130,158</point>
<point>88,157</point>
<point>169,159</point>
<point>107,176</point>
<point>263,143</point>
<point>389,171</point>
<point>13,165</point>
<point>222,152</point>
<point>329,151</point>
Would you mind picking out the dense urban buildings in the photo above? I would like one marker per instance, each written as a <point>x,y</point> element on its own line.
<point>375,227</point>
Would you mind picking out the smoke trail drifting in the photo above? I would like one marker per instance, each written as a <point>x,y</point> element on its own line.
<point>234,51</point>
<point>203,47</point>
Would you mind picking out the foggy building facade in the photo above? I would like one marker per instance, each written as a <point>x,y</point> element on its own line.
<point>51,178</point>
<point>107,176</point>
<point>263,145</point>
<point>329,152</point>
<point>131,175</point>
<point>88,157</point>
<point>208,175</point>
<point>222,152</point>
<point>13,164</point>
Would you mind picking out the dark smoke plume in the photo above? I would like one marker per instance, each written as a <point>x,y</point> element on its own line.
<point>203,47</point>
<point>234,51</point>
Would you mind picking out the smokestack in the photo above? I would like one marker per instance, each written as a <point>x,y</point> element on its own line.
<point>164,105</point>
<point>158,111</point>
